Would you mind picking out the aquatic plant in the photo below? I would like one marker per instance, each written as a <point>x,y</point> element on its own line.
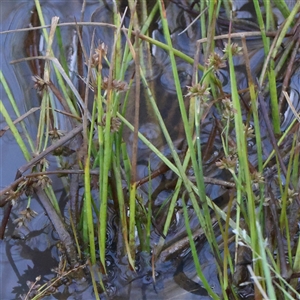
<point>249,226</point>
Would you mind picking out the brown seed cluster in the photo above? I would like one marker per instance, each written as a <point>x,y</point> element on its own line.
<point>117,85</point>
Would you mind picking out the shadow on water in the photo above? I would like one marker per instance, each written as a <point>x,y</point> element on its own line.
<point>28,252</point>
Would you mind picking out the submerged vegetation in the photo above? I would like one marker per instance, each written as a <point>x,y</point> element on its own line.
<point>217,159</point>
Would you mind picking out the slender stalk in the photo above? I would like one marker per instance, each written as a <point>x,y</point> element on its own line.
<point>15,108</point>
<point>242,154</point>
<point>195,255</point>
<point>14,131</point>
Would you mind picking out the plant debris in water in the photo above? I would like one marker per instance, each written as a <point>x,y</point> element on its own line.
<point>164,190</point>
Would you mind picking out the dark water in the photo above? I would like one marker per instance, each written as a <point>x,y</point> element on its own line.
<point>25,253</point>
<point>29,252</point>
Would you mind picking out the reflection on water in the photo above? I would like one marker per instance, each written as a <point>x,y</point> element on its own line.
<point>29,252</point>
<point>24,250</point>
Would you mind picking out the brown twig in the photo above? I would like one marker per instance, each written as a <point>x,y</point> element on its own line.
<point>290,66</point>
<point>59,226</point>
<point>210,142</point>
<point>19,119</point>
<point>136,110</point>
<point>31,45</point>
<point>270,132</point>
<point>285,272</point>
<point>24,168</point>
<point>50,149</point>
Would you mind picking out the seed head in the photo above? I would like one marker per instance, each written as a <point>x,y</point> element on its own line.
<point>229,163</point>
<point>117,85</point>
<point>235,49</point>
<point>39,83</point>
<point>249,131</point>
<point>216,61</point>
<point>198,90</point>
<point>115,123</point>
<point>229,110</point>
<point>100,52</point>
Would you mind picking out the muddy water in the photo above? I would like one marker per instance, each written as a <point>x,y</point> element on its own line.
<point>30,252</point>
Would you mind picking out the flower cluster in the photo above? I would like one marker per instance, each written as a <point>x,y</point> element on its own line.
<point>249,131</point>
<point>235,49</point>
<point>117,85</point>
<point>56,134</point>
<point>199,90</point>
<point>216,61</point>
<point>115,123</point>
<point>228,162</point>
<point>257,177</point>
<point>228,111</point>
<point>39,83</point>
<point>100,52</point>
<point>26,215</point>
